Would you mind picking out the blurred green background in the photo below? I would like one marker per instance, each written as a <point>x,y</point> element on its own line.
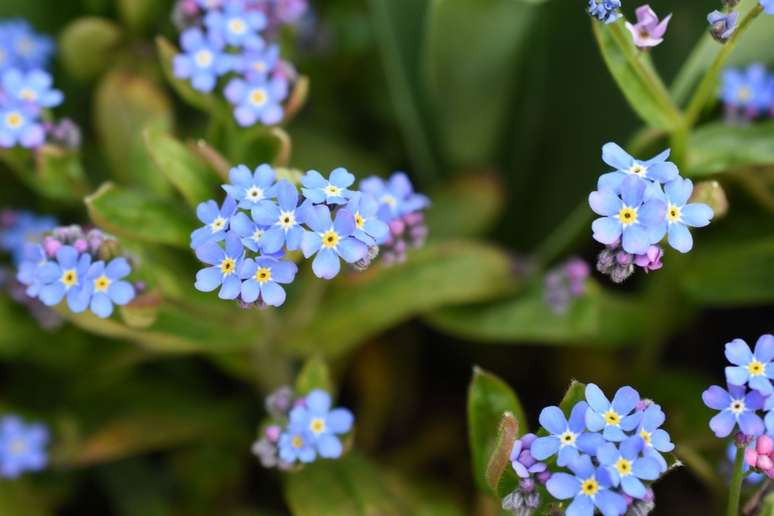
<point>497,109</point>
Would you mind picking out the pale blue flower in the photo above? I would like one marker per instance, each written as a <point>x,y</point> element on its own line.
<point>257,63</point>
<point>20,126</point>
<point>65,277</point>
<point>656,169</point>
<point>747,90</point>
<point>331,240</point>
<point>396,196</point>
<point>32,89</point>
<point>566,437</point>
<point>224,267</point>
<point>334,190</point>
<point>322,423</point>
<point>202,60</point>
<point>250,189</point>
<point>588,487</point>
<point>627,468</point>
<point>753,369</point>
<point>262,278</point>
<point>369,228</point>
<point>296,444</point>
<point>283,220</point>
<point>216,221</point>
<point>737,407</point>
<point>679,215</point>
<point>236,25</point>
<point>257,99</point>
<point>612,418</point>
<point>107,286</point>
<point>22,447</point>
<point>655,440</point>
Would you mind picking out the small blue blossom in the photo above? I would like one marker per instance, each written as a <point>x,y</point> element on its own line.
<point>250,189</point>
<point>722,25</point>
<point>20,126</point>
<point>656,169</point>
<point>753,369</point>
<point>628,216</point>
<point>655,440</point>
<point>236,25</point>
<point>747,90</point>
<point>680,215</point>
<point>296,444</point>
<point>396,196</point>
<point>216,221</point>
<point>107,286</point>
<point>250,232</point>
<point>615,418</point>
<point>323,424</point>
<point>737,407</point>
<point>283,220</point>
<point>21,47</point>
<point>262,278</point>
<point>334,190</point>
<point>257,99</point>
<point>22,447</point>
<point>31,89</point>
<point>331,240</point>
<point>26,227</point>
<point>567,437</point>
<point>588,487</point>
<point>605,10</point>
<point>254,64</point>
<point>32,260</point>
<point>202,60</point>
<point>224,267</point>
<point>66,277</point>
<point>369,228</point>
<point>768,6</point>
<point>627,468</point>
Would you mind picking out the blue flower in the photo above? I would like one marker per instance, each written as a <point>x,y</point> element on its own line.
<point>262,277</point>
<point>746,90</point>
<point>250,232</point>
<point>722,25</point>
<point>32,89</point>
<point>754,370</point>
<point>216,221</point>
<point>22,47</point>
<point>612,418</point>
<point>32,260</point>
<point>679,215</point>
<point>567,437</point>
<point>627,468</point>
<point>396,196</point>
<point>257,63</point>
<point>27,227</point>
<point>369,228</point>
<point>283,220</point>
<point>640,222</point>
<point>334,190</point>
<point>257,99</point>
<point>20,126</point>
<point>588,487</point>
<point>655,440</point>
<point>251,189</point>
<point>656,169</point>
<point>737,407</point>
<point>107,286</point>
<point>768,6</point>
<point>66,277</point>
<point>22,447</point>
<point>605,10</point>
<point>202,60</point>
<point>322,424</point>
<point>225,265</point>
<point>296,444</point>
<point>331,241</point>
<point>238,26</point>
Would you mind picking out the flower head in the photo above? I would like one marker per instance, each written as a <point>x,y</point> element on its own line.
<point>334,190</point>
<point>396,196</point>
<point>648,31</point>
<point>680,215</point>
<point>656,169</point>
<point>282,220</point>
<point>296,444</point>
<point>369,229</point>
<point>21,47</point>
<point>753,369</point>
<point>605,10</point>
<point>20,126</point>
<point>567,437</point>
<point>23,228</point>
<point>32,89</point>
<point>22,447</point>
<point>257,63</point>
<point>202,61</point>
<point>655,440</point>
<point>748,91</point>
<point>66,277</point>
<point>216,221</point>
<point>722,25</point>
<point>257,99</point>
<point>612,418</point>
<point>108,286</point>
<point>330,240</point>
<point>237,25</point>
<point>262,278</point>
<point>323,424</point>
<point>627,468</point>
<point>250,189</point>
<point>588,487</point>
<point>737,407</point>
<point>224,267</point>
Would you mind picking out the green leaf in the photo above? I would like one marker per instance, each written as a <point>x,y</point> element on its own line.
<point>193,178</point>
<point>20,497</point>
<point>718,147</point>
<point>473,51</point>
<point>138,15</point>
<point>483,199</point>
<point>489,398</point>
<point>140,216</point>
<point>575,392</point>
<point>359,305</point>
<point>60,174</point>
<point>125,105</point>
<point>314,375</point>
<point>258,145</point>
<point>88,46</point>
<point>635,76</point>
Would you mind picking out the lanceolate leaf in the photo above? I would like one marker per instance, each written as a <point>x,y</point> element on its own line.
<point>719,147</point>
<point>314,375</point>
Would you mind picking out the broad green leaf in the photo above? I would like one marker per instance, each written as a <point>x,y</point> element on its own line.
<point>193,178</point>
<point>719,147</point>
<point>360,305</point>
<point>597,318</point>
<point>466,206</point>
<point>473,50</point>
<point>635,76</point>
<point>489,398</point>
<point>314,375</point>
<point>88,46</point>
<point>125,105</point>
<point>60,174</point>
<point>140,216</point>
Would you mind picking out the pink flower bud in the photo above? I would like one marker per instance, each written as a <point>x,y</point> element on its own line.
<point>397,227</point>
<point>765,463</point>
<point>751,457</point>
<point>770,473</point>
<point>765,445</point>
<point>273,433</point>
<point>51,246</point>
<point>81,245</point>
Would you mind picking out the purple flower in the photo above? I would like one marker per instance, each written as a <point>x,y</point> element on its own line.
<point>522,461</point>
<point>262,278</point>
<point>589,487</point>
<point>202,60</point>
<point>216,221</point>
<point>627,468</point>
<point>567,437</point>
<point>612,418</point>
<point>650,260</point>
<point>722,26</point>
<point>107,286</point>
<point>753,369</point>
<point>331,240</point>
<point>258,99</point>
<point>737,407</point>
<point>224,266</point>
<point>648,31</point>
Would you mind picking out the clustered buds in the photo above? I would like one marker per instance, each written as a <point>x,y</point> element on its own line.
<point>565,283</point>
<point>761,456</point>
<point>616,263</point>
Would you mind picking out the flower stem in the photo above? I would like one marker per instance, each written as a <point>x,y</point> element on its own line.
<point>705,88</point>
<point>735,489</point>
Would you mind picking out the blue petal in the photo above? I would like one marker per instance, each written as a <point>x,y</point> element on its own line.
<point>293,238</point>
<point>652,213</point>
<point>751,424</point>
<point>553,420</point>
<point>610,503</point>
<point>653,418</point>
<point>577,422</point>
<point>607,454</point>
<point>589,443</point>
<point>273,240</point>
<point>318,218</point>
<point>679,191</point>
<point>329,446</point>
<point>635,239</point>
<point>606,230</point>
<point>596,398</point>
<point>121,292</point>
<point>318,401</point>
<point>737,375</point>
<point>52,294</point>
<point>242,225</point>
<point>738,353</point>
<point>722,424</point>
<point>604,202</point>
<point>680,238</point>
<point>340,421</point>
<point>310,243</point>
<point>613,434</point>
<point>78,299</point>
<point>562,486</point>
<point>567,455</point>
<point>544,447</point>
<point>659,439</point>
<point>208,279</point>
<point>326,264</point>
<point>240,176</point>
<point>118,268</point>
<point>67,257</point>
<point>646,468</point>
<point>284,271</point>
<point>101,305</point>
<point>580,506</point>
<point>287,195</point>
<point>633,191</point>
<point>631,447</point>
<point>625,400</point>
<point>250,291</point>
<point>611,181</point>
<point>272,294</point>
<point>697,215</point>
<point>716,398</point>
<point>210,253</point>
<point>207,211</point>
<point>663,172</point>
<point>313,179</point>
<point>616,157</point>
<point>265,213</point>
<point>344,223</point>
<point>231,288</point>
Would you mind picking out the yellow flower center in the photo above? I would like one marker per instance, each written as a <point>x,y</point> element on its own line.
<point>102,283</point>
<point>389,200</point>
<point>627,216</point>
<point>330,239</point>
<point>28,94</point>
<point>297,441</point>
<point>287,220</point>
<point>259,66</point>
<point>218,224</point>
<point>674,214</point>
<point>227,266</point>
<point>69,278</point>
<point>14,120</point>
<point>263,275</point>
<point>332,191</point>
<point>737,406</point>
<point>612,418</point>
<point>756,368</point>
<point>258,97</point>
<point>590,487</point>
<point>645,436</point>
<point>317,425</point>
<point>237,26</point>
<point>359,221</point>
<point>567,438</point>
<point>638,170</point>
<point>744,94</point>
<point>18,447</point>
<point>204,58</point>
<point>623,466</point>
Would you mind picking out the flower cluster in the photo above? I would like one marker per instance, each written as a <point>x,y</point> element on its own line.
<point>302,429</point>
<point>605,10</point>
<point>749,390</point>
<point>80,266</point>
<point>565,283</point>
<point>235,40</point>
<point>22,447</point>
<point>246,241</point>
<point>606,454</point>
<point>640,203</point>
<point>649,31</point>
<point>26,91</point>
<point>748,94</point>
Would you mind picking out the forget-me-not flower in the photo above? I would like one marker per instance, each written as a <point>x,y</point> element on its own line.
<point>202,60</point>
<point>262,278</point>
<point>250,232</point>
<point>22,447</point>
<point>746,90</point>
<point>32,89</point>
<point>722,25</point>
<point>680,215</point>
<point>296,444</point>
<point>588,487</point>
<point>283,219</point>
<point>249,189</point>
<point>66,277</point>
<point>656,169</point>
<point>396,196</point>
<point>627,468</point>
<point>216,221</point>
<point>33,259</point>
<point>567,437</point>
<point>22,47</point>
<point>369,228</point>
<point>257,63</point>
<point>655,439</point>
<point>334,190</point>
<point>20,126</point>
<point>768,6</point>
<point>737,407</point>
<point>27,227</point>
<point>224,267</point>
<point>237,25</point>
<point>323,424</point>
<point>612,418</point>
<point>257,99</point>
<point>648,31</point>
<point>108,286</point>
<point>331,240</point>
<point>752,369</point>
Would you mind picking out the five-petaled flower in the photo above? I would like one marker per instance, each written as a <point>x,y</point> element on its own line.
<point>262,278</point>
<point>331,240</point>
<point>202,61</point>
<point>334,190</point>
<point>224,267</point>
<point>369,228</point>
<point>22,447</point>
<point>216,221</point>
<point>655,439</point>
<point>250,189</point>
<point>321,423</point>
<point>65,277</point>
<point>612,418</point>
<point>680,215</point>
<point>32,89</point>
<point>237,25</point>
<point>283,220</point>
<point>588,487</point>
<point>648,31</point>
<point>752,369</point>
<point>567,437</point>
<point>737,406</point>
<point>626,467</point>
<point>656,169</point>
<point>107,286</point>
<point>258,98</point>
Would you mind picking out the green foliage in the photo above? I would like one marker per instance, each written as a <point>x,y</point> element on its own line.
<point>718,147</point>
<point>314,375</point>
<point>88,46</point>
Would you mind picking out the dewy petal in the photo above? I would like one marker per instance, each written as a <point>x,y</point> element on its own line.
<point>722,424</point>
<point>680,238</point>
<point>563,486</point>
<point>764,348</point>
<point>607,230</point>
<point>697,215</point>
<point>544,447</point>
<point>616,157</point>
<point>604,202</point>
<point>553,420</point>
<point>751,424</point>
<point>738,353</point>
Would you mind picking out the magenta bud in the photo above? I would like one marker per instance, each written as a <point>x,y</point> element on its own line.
<point>765,445</point>
<point>623,258</point>
<point>81,245</point>
<point>543,476</point>
<point>51,246</point>
<point>273,433</point>
<point>397,227</point>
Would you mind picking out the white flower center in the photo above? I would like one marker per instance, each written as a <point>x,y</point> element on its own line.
<point>218,224</point>
<point>567,439</point>
<point>204,58</point>
<point>737,407</point>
